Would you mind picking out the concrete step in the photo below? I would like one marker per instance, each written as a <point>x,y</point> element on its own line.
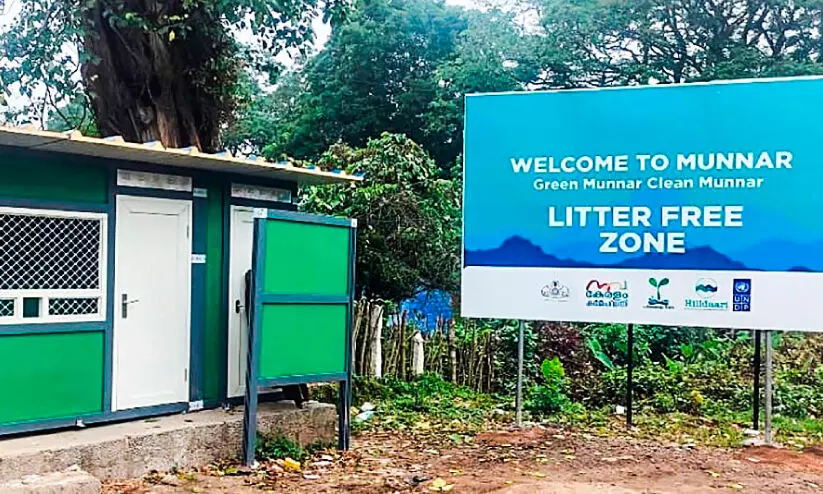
<point>133,449</point>
<point>70,481</point>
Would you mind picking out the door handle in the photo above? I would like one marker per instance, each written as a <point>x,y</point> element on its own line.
<point>124,305</point>
<point>238,306</point>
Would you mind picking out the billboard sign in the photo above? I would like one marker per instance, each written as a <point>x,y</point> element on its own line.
<point>696,204</point>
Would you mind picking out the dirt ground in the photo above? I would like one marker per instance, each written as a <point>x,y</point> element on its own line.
<point>536,460</point>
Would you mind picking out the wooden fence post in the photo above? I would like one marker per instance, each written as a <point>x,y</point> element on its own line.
<point>418,354</point>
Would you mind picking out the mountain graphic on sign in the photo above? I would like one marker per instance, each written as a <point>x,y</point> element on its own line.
<point>517,251</point>
<point>695,258</point>
<point>783,255</point>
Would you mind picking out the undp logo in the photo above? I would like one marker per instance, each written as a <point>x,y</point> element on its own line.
<point>742,293</point>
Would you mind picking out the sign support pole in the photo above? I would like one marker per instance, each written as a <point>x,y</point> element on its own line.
<point>756,387</point>
<point>518,399</point>
<point>768,389</point>
<point>629,371</point>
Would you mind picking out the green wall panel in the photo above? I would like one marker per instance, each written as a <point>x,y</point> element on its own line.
<point>306,259</point>
<point>298,340</point>
<point>213,341</point>
<point>66,179</point>
<point>46,376</point>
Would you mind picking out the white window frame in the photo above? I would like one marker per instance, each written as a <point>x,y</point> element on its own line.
<point>46,295</point>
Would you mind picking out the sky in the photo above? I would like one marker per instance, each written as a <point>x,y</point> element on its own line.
<point>11,8</point>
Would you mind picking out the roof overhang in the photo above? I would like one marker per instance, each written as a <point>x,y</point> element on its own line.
<point>115,148</point>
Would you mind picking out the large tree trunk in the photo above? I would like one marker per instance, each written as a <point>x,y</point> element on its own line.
<point>147,84</point>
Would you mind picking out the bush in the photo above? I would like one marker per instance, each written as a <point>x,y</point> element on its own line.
<point>550,397</point>
<point>278,447</point>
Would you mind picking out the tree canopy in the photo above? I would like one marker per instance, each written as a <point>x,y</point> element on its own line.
<point>151,70</point>
<point>408,235</point>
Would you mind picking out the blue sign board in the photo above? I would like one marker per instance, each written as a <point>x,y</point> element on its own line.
<point>696,204</point>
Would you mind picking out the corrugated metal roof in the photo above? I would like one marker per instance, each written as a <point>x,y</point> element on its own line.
<point>115,148</point>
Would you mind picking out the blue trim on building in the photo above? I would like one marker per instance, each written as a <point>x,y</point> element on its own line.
<point>225,295</point>
<point>156,193</point>
<point>120,415</point>
<point>199,238</point>
<point>108,359</point>
<point>53,327</point>
<point>251,203</point>
<point>85,207</point>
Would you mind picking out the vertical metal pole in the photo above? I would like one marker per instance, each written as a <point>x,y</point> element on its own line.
<point>253,359</point>
<point>629,371</point>
<point>518,399</point>
<point>756,381</point>
<point>767,398</point>
<point>342,425</point>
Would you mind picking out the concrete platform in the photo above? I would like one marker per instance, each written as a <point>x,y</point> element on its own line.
<point>133,449</point>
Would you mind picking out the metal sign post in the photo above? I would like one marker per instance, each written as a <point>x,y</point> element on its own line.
<point>518,400</point>
<point>756,385</point>
<point>629,372</point>
<point>768,389</point>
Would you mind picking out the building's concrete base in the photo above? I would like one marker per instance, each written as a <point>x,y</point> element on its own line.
<point>71,481</point>
<point>133,449</point>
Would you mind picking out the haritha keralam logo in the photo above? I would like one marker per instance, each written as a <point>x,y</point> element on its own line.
<point>656,300</point>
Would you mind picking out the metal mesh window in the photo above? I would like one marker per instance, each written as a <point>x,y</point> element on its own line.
<point>73,306</point>
<point>42,252</point>
<point>53,260</point>
<point>7,308</point>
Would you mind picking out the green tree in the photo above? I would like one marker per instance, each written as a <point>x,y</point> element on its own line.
<point>264,118</point>
<point>408,235</point>
<point>74,115</point>
<point>620,42</point>
<point>151,70</point>
<point>376,74</point>
<point>493,54</point>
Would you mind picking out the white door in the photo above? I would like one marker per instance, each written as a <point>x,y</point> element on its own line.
<point>152,302</point>
<point>241,238</point>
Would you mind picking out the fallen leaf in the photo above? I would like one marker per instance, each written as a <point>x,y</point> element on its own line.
<point>290,464</point>
<point>539,475</point>
<point>736,486</point>
<point>440,485</point>
<point>713,473</point>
